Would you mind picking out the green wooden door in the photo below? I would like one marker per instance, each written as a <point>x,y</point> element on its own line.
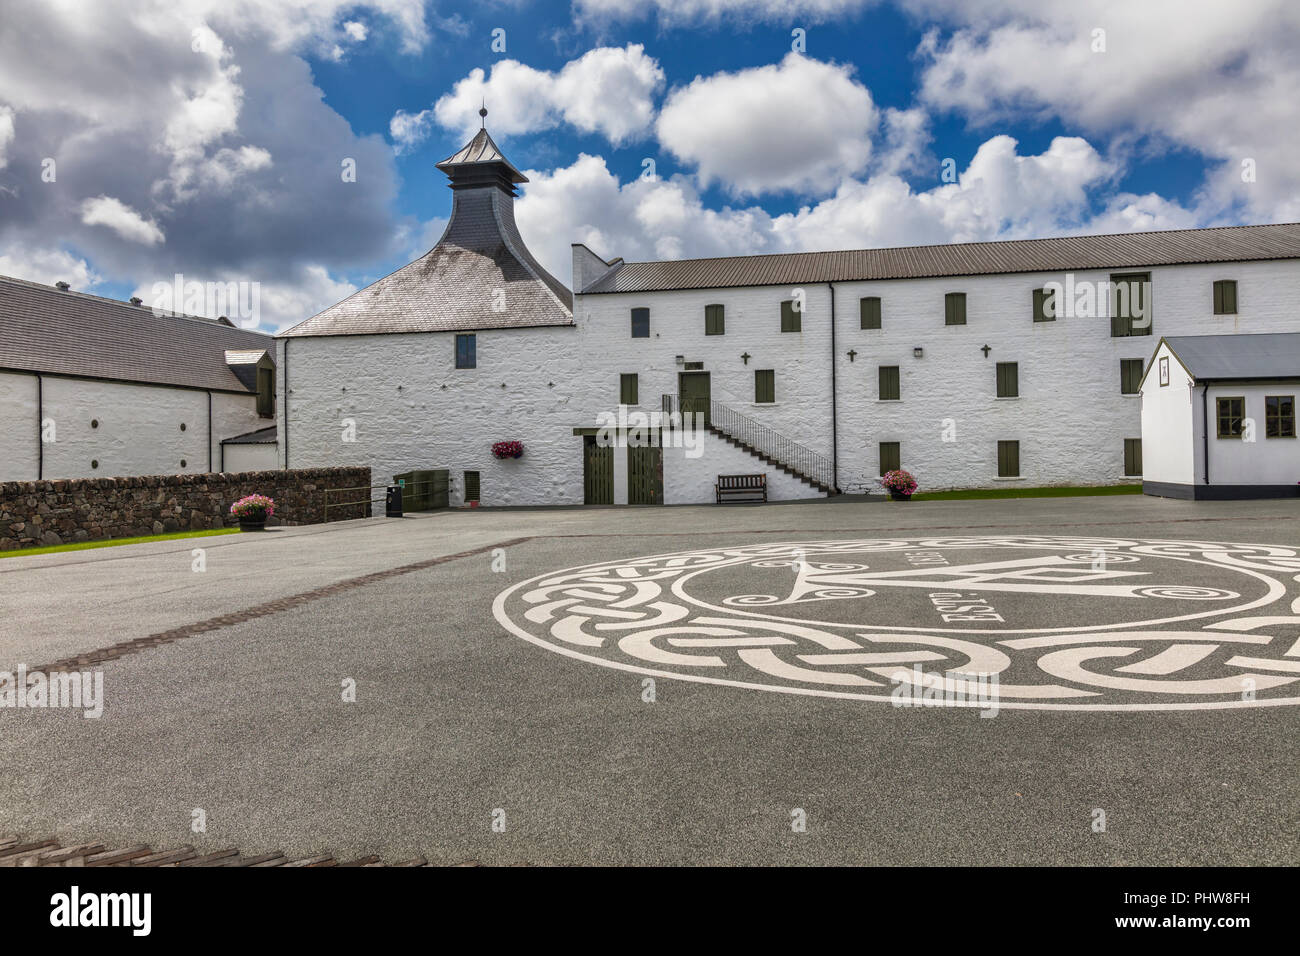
<point>597,472</point>
<point>693,395</point>
<point>645,475</point>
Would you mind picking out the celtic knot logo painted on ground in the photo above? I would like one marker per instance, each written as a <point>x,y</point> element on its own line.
<point>1062,622</point>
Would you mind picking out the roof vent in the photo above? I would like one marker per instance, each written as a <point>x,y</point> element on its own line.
<point>62,286</point>
<point>136,300</point>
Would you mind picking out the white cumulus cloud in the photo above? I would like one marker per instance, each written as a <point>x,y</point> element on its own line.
<point>608,90</point>
<point>122,219</point>
<point>800,125</point>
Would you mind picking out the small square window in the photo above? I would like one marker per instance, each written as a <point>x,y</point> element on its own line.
<point>1044,305</point>
<point>1130,304</point>
<point>714,320</point>
<point>1133,457</point>
<point>891,456</point>
<point>1008,379</point>
<point>1008,459</point>
<point>466,351</point>
<point>627,388</point>
<point>640,323</point>
<point>791,318</point>
<point>954,308</point>
<point>1130,376</point>
<point>889,388</point>
<point>1225,297</point>
<point>869,311</point>
<point>1279,416</point>
<point>1230,412</point>
<point>764,385</point>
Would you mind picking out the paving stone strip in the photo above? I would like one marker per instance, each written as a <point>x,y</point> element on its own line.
<point>16,852</point>
<point>261,610</point>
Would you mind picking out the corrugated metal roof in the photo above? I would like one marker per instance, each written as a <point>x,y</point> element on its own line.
<point>1263,355</point>
<point>44,329</point>
<point>1120,251</point>
<point>480,275</point>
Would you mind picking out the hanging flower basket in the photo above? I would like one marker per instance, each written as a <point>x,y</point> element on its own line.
<point>508,449</point>
<point>252,512</point>
<point>900,484</point>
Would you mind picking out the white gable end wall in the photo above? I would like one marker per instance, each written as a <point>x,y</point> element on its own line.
<point>1170,434</point>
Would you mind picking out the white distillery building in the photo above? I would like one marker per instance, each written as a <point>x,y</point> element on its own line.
<point>1219,416</point>
<point>972,365</point>
<point>94,387</point>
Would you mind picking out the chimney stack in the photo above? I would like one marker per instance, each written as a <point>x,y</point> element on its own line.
<point>62,286</point>
<point>136,300</point>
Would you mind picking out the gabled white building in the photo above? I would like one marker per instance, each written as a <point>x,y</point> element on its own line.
<point>971,365</point>
<point>91,387</point>
<point>1219,417</point>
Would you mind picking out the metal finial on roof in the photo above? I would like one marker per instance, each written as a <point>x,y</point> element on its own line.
<point>482,112</point>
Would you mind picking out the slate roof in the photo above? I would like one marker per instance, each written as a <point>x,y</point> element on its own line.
<point>1066,253</point>
<point>1265,355</point>
<point>481,149</point>
<point>263,436</point>
<point>480,275</point>
<point>44,329</point>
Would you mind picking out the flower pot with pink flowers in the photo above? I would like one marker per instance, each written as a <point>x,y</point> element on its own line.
<point>252,512</point>
<point>508,449</point>
<point>900,484</point>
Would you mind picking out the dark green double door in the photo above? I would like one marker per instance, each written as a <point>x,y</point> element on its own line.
<point>645,474</point>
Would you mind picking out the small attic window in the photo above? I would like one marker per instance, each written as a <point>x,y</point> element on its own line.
<point>266,392</point>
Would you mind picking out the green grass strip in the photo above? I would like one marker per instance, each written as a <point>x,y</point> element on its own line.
<point>114,542</point>
<point>969,494</point>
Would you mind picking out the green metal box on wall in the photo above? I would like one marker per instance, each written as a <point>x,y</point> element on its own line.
<point>423,490</point>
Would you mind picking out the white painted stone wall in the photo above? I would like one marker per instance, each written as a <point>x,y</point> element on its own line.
<point>138,431</point>
<point>412,409</point>
<point>690,480</point>
<point>1070,419</point>
<point>1170,436</point>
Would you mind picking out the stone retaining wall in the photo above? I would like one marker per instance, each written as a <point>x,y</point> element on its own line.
<point>37,513</point>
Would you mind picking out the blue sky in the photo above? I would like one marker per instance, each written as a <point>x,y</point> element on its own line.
<point>212,151</point>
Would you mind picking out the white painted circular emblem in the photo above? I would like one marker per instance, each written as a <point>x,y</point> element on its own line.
<point>1012,621</point>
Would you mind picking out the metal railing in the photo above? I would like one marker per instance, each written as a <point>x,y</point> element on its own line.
<point>731,423</point>
<point>353,503</point>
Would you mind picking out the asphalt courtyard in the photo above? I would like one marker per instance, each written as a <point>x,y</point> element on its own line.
<point>695,685</point>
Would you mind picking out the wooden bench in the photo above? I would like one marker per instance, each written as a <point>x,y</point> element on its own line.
<point>747,485</point>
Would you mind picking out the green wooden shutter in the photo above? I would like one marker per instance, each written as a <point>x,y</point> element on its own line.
<point>714,320</point>
<point>1130,294</point>
<point>869,310</point>
<point>954,308</point>
<point>764,385</point>
<point>1133,456</point>
<point>1130,376</point>
<point>1225,297</point>
<point>791,321</point>
<point>1008,379</point>
<point>627,388</point>
<point>1008,459</point>
<point>889,387</point>
<point>890,456</point>
<point>1044,306</point>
